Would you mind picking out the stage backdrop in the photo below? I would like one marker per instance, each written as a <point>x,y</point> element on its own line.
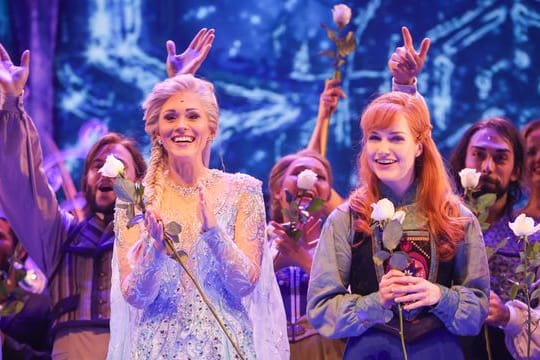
<point>268,73</point>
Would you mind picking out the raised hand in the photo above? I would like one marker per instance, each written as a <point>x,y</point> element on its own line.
<point>405,63</point>
<point>329,98</point>
<point>191,59</point>
<point>208,219</point>
<point>13,78</point>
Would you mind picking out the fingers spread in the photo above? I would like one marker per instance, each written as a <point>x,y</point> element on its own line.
<point>424,47</point>
<point>25,58</point>
<point>407,38</point>
<point>171,48</point>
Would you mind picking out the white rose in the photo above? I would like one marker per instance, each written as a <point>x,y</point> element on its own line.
<point>112,167</point>
<point>341,14</point>
<point>382,210</point>
<point>399,215</point>
<point>469,178</point>
<point>523,226</point>
<point>306,179</point>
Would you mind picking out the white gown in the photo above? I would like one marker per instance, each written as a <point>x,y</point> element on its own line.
<point>164,316</point>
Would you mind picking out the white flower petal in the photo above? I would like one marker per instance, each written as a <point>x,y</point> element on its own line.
<point>306,179</point>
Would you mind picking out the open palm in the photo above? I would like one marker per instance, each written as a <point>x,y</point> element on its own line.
<point>191,59</point>
<point>13,78</point>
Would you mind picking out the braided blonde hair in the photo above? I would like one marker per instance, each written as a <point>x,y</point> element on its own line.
<point>152,105</point>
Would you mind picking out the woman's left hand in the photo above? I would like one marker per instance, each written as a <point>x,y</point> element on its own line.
<point>154,226</point>
<point>208,219</point>
<point>417,292</point>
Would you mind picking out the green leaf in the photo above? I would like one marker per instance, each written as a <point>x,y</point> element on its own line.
<point>348,45</point>
<point>135,220</point>
<point>174,237</point>
<point>330,33</point>
<point>315,205</point>
<point>485,201</point>
<point>535,294</point>
<point>392,234</point>
<point>529,279</point>
<point>380,257</point>
<point>173,228</point>
<point>12,308</point>
<point>484,226</point>
<point>482,217</point>
<point>535,263</point>
<point>124,189</point>
<point>490,251</point>
<point>399,260</point>
<point>514,291</point>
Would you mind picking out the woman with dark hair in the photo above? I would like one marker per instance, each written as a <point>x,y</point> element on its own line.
<point>443,290</point>
<point>293,255</point>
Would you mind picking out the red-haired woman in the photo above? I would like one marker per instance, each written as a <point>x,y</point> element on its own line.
<point>444,291</point>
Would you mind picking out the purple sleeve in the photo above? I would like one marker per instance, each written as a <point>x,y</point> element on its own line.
<point>27,200</point>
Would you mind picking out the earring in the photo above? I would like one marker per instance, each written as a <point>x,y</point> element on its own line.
<point>159,142</point>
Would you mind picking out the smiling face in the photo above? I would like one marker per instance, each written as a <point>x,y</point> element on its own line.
<point>320,189</point>
<point>492,155</point>
<point>184,127</point>
<point>532,158</point>
<point>391,154</point>
<point>99,189</point>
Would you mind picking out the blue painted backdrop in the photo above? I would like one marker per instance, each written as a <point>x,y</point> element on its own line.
<point>484,60</point>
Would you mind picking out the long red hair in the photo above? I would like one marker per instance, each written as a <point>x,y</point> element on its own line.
<point>435,197</point>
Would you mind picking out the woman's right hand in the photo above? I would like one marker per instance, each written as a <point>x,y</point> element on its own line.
<point>13,78</point>
<point>405,63</point>
<point>296,252</point>
<point>387,289</point>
